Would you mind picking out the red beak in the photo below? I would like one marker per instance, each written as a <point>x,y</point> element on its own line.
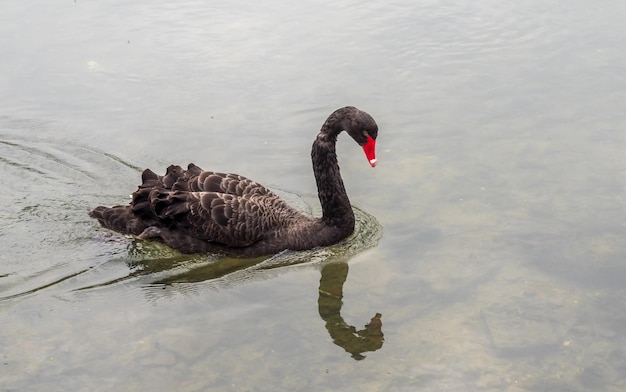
<point>370,150</point>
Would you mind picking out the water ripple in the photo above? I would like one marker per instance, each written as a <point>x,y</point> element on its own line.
<point>152,264</point>
<point>50,184</point>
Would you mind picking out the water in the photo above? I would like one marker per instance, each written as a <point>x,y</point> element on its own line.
<point>491,232</point>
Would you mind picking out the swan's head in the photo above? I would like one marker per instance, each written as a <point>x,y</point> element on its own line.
<point>363,129</point>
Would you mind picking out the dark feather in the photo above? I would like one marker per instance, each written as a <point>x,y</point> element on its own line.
<point>201,211</point>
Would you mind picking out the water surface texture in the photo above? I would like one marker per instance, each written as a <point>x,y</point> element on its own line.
<point>489,253</point>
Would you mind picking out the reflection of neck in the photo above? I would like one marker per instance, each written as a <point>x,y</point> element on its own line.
<point>329,307</point>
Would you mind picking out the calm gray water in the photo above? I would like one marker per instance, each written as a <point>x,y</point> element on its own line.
<point>491,234</point>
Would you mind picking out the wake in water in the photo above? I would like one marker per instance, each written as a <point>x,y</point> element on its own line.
<point>49,185</point>
<point>154,263</point>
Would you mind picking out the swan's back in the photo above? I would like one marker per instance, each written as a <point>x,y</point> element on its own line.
<point>194,210</point>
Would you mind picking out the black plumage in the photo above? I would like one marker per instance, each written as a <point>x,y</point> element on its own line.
<point>197,211</point>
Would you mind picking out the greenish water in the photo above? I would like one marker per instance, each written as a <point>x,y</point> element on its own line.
<point>489,253</point>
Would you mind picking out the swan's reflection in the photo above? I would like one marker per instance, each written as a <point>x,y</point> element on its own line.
<point>329,304</point>
<point>233,270</point>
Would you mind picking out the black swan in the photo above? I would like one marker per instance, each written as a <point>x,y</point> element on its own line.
<point>196,211</point>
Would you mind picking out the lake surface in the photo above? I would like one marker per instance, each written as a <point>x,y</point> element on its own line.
<point>490,242</point>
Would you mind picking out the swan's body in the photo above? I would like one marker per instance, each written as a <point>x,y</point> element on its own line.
<point>197,211</point>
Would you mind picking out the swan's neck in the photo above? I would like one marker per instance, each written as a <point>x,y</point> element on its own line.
<point>336,207</point>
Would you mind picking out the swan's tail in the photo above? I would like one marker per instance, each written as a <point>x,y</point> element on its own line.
<point>119,218</point>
